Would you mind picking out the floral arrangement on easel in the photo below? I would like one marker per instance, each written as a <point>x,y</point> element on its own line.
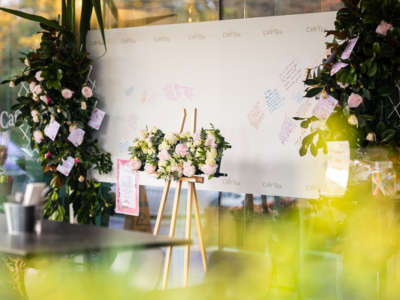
<point>58,107</point>
<point>365,80</point>
<point>172,156</point>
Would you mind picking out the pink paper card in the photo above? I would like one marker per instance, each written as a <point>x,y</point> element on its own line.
<point>349,48</point>
<point>336,67</point>
<point>324,108</point>
<point>96,118</point>
<point>51,130</point>
<point>67,166</point>
<point>127,189</point>
<point>76,136</point>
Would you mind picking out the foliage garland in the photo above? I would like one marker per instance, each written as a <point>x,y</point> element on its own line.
<point>364,86</point>
<point>57,73</point>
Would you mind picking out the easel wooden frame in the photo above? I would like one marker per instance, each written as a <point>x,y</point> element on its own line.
<point>191,201</point>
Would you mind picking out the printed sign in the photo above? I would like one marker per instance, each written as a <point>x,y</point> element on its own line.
<point>324,108</point>
<point>76,136</point>
<point>96,118</point>
<point>67,166</point>
<point>51,130</point>
<point>337,173</point>
<point>127,189</point>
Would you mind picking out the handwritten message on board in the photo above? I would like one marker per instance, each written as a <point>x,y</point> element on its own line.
<point>291,75</point>
<point>287,128</point>
<point>255,116</point>
<point>274,100</point>
<point>304,108</point>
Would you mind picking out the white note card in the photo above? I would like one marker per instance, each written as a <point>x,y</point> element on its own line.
<point>324,108</point>
<point>51,130</point>
<point>76,136</point>
<point>336,67</point>
<point>96,118</point>
<point>67,166</point>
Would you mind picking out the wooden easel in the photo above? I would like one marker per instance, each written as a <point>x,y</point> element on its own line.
<point>191,200</point>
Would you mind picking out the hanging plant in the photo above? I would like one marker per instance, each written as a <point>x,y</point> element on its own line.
<point>364,85</point>
<point>57,107</point>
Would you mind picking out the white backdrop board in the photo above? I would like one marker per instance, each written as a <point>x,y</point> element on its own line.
<point>244,76</point>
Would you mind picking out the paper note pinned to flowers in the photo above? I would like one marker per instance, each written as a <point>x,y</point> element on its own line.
<point>337,173</point>
<point>51,130</point>
<point>349,48</point>
<point>67,166</point>
<point>324,108</point>
<point>76,136</point>
<point>127,189</point>
<point>96,118</point>
<point>336,67</point>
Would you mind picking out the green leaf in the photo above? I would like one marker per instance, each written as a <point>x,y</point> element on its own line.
<point>303,151</point>
<point>366,93</point>
<point>387,133</point>
<point>385,91</point>
<point>34,18</point>
<point>388,138</point>
<point>313,92</point>
<point>376,48</point>
<point>97,9</point>
<point>372,71</point>
<point>346,111</point>
<point>304,124</point>
<point>54,196</point>
<point>86,13</point>
<point>313,150</point>
<point>380,128</point>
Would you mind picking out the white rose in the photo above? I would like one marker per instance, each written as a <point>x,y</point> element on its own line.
<point>171,138</point>
<point>192,149</point>
<point>44,99</point>
<point>353,120</point>
<point>212,153</point>
<point>197,143</point>
<point>150,144</point>
<point>168,169</point>
<point>371,137</point>
<point>52,118</point>
<point>83,105</point>
<point>153,130</point>
<point>143,134</point>
<point>185,134</point>
<point>136,144</point>
<point>35,97</point>
<point>81,179</point>
<point>162,163</point>
<point>148,140</point>
<point>67,93</point>
<point>12,84</point>
<point>151,151</point>
<point>36,118</point>
<point>189,145</point>
<point>27,62</point>
<point>210,162</point>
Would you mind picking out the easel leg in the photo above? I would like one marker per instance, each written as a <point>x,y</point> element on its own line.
<point>186,260</point>
<point>162,207</point>
<point>199,228</point>
<point>171,233</point>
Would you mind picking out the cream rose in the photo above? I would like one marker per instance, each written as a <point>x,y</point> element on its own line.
<point>12,84</point>
<point>83,105</point>
<point>153,130</point>
<point>171,138</point>
<point>353,120</point>
<point>38,136</point>
<point>371,137</point>
<point>149,168</point>
<point>27,62</point>
<point>32,86</point>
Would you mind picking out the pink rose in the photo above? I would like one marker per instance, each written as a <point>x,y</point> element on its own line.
<point>177,169</point>
<point>209,170</point>
<point>354,100</point>
<point>44,99</point>
<point>196,136</point>
<point>210,141</point>
<point>38,76</point>
<point>182,150</point>
<point>135,164</point>
<point>149,168</point>
<point>66,93</point>
<point>32,85</point>
<point>383,28</point>
<point>188,170</point>
<point>87,92</point>
<point>38,90</point>
<point>164,155</point>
